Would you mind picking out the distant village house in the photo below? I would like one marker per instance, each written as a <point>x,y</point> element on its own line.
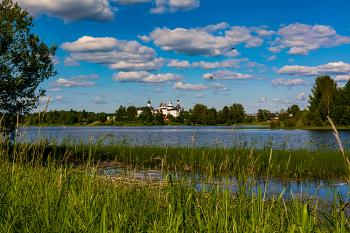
<point>170,109</point>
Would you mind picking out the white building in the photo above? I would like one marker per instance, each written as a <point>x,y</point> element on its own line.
<point>170,109</point>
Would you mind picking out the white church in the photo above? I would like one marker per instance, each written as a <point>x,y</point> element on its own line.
<point>170,109</point>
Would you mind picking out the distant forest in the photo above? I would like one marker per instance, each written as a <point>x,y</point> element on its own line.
<point>326,100</point>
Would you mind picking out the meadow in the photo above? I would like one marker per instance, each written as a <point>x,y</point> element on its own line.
<point>51,187</point>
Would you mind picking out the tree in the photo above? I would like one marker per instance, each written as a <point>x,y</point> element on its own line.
<point>322,99</point>
<point>25,61</point>
<point>131,113</point>
<point>236,113</point>
<point>199,114</point>
<point>159,117</point>
<point>120,114</point>
<point>263,115</point>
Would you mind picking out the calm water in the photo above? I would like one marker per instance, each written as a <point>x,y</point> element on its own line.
<point>207,136</point>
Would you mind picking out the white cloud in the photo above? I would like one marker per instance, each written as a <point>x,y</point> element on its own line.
<point>301,96</point>
<point>264,70</point>
<point>262,32</point>
<point>291,60</point>
<point>342,78</point>
<point>127,56</point>
<point>250,70</point>
<point>288,82</point>
<point>228,63</point>
<point>88,44</point>
<point>163,6</point>
<point>227,75</point>
<point>262,100</point>
<point>276,49</point>
<point>76,81</point>
<point>199,96</point>
<point>71,10</point>
<point>54,90</point>
<point>103,94</point>
<point>129,102</point>
<point>199,41</point>
<point>273,57</point>
<point>276,100</point>
<point>158,90</point>
<point>156,84</point>
<point>303,38</point>
<point>70,62</point>
<point>55,60</point>
<point>199,87</point>
<point>130,2</point>
<point>243,83</point>
<point>145,77</point>
<point>213,28</point>
<point>98,100</point>
<point>179,95</point>
<point>175,63</point>
<point>57,99</point>
<point>79,93</point>
<point>332,68</point>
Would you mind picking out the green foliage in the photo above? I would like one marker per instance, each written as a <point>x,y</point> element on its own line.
<point>236,113</point>
<point>290,122</point>
<point>146,115</point>
<point>159,118</point>
<point>25,61</point>
<point>263,115</point>
<point>199,114</point>
<point>120,114</point>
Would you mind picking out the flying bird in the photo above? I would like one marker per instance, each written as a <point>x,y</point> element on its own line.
<point>231,49</point>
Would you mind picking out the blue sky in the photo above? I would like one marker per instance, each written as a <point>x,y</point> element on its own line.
<point>122,52</point>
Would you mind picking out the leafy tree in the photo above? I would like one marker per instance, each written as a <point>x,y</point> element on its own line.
<point>263,115</point>
<point>223,115</point>
<point>101,117</point>
<point>295,110</point>
<point>25,61</point>
<point>131,113</point>
<point>211,118</point>
<point>159,118</point>
<point>236,113</point>
<point>120,114</point>
<point>183,115</point>
<point>323,97</point>
<point>199,114</point>
<point>146,115</point>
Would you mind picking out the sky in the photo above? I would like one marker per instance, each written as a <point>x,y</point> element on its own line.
<point>124,52</point>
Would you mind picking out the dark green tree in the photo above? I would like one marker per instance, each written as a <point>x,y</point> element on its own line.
<point>120,114</point>
<point>159,118</point>
<point>199,114</point>
<point>322,100</point>
<point>263,115</point>
<point>211,118</point>
<point>236,113</point>
<point>146,115</point>
<point>131,113</point>
<point>25,61</point>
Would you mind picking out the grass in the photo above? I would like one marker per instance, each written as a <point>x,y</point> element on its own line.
<point>41,193</point>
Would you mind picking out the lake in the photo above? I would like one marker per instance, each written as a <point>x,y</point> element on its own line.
<point>198,136</point>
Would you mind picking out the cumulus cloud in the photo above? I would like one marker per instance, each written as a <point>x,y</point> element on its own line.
<point>103,94</point>
<point>276,49</point>
<point>145,77</point>
<point>301,96</point>
<point>98,100</point>
<point>57,99</point>
<point>199,41</point>
<point>227,75</point>
<point>126,56</point>
<point>332,68</point>
<point>303,38</point>
<point>55,60</point>
<point>71,10</point>
<point>199,96</point>
<point>228,63</point>
<point>214,27</point>
<point>158,90</point>
<point>276,100</point>
<point>262,100</point>
<point>54,90</point>
<point>342,78</point>
<point>291,60</point>
<point>273,57</point>
<point>175,63</point>
<point>156,84</point>
<point>76,81</point>
<point>129,102</point>
<point>199,87</point>
<point>163,6</point>
<point>288,82</point>
<point>262,32</point>
<point>130,2</point>
<point>70,62</point>
<point>90,44</point>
